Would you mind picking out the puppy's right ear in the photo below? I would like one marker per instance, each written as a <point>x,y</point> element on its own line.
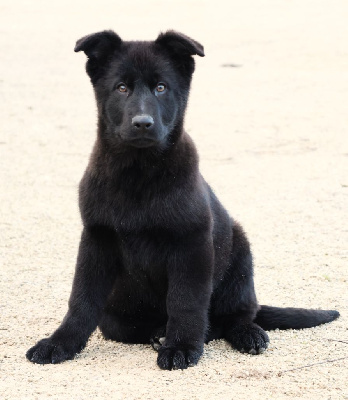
<point>98,47</point>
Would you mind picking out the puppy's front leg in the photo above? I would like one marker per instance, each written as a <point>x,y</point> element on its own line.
<point>190,271</point>
<point>94,277</point>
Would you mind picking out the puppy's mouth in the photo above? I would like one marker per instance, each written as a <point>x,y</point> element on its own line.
<point>142,142</point>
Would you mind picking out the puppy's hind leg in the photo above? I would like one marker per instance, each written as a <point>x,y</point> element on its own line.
<point>234,304</point>
<point>247,338</point>
<point>241,332</point>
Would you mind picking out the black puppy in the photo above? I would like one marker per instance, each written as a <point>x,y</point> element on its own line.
<point>160,260</point>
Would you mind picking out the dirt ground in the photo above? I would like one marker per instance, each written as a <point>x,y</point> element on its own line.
<point>268,112</point>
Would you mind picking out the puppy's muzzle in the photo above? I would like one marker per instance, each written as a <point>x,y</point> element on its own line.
<point>142,124</point>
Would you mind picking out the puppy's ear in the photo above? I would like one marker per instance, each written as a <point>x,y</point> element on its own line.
<point>98,47</point>
<point>180,44</point>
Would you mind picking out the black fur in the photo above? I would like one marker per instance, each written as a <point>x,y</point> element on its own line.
<point>160,260</point>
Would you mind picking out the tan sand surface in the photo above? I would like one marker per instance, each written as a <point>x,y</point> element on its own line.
<point>269,114</point>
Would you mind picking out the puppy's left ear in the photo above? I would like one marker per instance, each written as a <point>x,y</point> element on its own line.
<point>98,47</point>
<point>180,44</point>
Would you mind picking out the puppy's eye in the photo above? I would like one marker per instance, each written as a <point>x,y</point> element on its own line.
<point>161,87</point>
<point>121,87</point>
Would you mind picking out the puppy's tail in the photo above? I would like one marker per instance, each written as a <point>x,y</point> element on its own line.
<point>270,318</point>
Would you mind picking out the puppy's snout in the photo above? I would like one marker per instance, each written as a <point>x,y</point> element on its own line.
<point>142,123</point>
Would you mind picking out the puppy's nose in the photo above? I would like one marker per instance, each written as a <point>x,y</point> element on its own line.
<point>142,122</point>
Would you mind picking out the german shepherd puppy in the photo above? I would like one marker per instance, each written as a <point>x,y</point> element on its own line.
<point>160,260</point>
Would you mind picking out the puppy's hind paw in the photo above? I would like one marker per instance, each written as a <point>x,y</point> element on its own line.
<point>248,338</point>
<point>157,342</point>
<point>158,337</point>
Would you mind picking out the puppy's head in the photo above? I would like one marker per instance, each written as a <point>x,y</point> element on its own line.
<point>141,87</point>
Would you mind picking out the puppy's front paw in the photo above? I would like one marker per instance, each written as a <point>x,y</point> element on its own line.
<point>48,351</point>
<point>178,357</point>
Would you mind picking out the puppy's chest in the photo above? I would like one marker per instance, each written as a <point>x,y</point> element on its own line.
<point>128,211</point>
<point>149,221</point>
<point>145,252</point>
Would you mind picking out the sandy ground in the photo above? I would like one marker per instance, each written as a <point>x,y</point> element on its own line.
<point>268,112</point>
